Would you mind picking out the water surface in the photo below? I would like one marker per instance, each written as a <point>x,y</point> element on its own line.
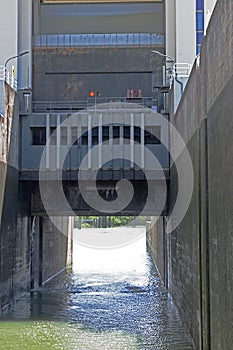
<point>113,299</point>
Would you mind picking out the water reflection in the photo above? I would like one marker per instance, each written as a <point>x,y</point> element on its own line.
<point>114,299</point>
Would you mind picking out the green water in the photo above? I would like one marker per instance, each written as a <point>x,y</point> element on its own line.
<point>112,299</point>
<point>41,335</point>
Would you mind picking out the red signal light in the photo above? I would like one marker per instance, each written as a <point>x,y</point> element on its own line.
<point>92,93</point>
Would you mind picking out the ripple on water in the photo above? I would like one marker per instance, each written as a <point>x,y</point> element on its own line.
<point>98,309</point>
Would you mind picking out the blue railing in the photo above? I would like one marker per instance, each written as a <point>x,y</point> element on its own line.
<point>73,40</point>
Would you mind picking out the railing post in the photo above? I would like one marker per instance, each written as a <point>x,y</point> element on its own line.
<point>47,141</point>
<point>58,143</point>
<point>131,140</point>
<point>100,139</point>
<point>89,142</point>
<point>142,141</point>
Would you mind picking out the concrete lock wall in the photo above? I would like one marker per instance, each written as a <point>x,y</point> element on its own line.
<point>33,250</point>
<point>20,246</point>
<point>200,261</point>
<point>56,242</point>
<point>157,245</point>
<point>13,256</point>
<point>51,250</point>
<point>7,97</point>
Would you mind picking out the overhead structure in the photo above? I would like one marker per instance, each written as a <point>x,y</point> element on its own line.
<point>94,1</point>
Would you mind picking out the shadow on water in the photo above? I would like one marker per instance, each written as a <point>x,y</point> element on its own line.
<point>113,299</point>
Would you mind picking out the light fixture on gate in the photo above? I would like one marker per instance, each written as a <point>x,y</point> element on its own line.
<point>16,56</point>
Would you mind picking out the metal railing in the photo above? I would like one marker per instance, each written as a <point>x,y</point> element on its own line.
<point>177,70</point>
<point>95,102</point>
<point>55,144</point>
<point>73,40</point>
<point>182,70</point>
<point>8,77</point>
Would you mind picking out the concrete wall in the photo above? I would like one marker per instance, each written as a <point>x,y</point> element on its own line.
<point>25,16</point>
<point>217,54</point>
<point>157,245</point>
<point>181,28</point>
<point>2,185</point>
<point>32,249</point>
<point>200,261</point>
<point>51,250</point>
<point>8,32</point>
<point>208,8</point>
<point>19,245</point>
<point>8,137</point>
<point>55,245</point>
<point>13,243</point>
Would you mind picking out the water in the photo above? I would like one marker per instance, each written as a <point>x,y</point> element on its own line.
<point>113,299</point>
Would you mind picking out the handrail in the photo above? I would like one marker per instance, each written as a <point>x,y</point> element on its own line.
<point>73,106</point>
<point>73,40</point>
<point>182,69</point>
<point>8,77</point>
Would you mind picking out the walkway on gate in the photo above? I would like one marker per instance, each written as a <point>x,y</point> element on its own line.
<point>95,148</point>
